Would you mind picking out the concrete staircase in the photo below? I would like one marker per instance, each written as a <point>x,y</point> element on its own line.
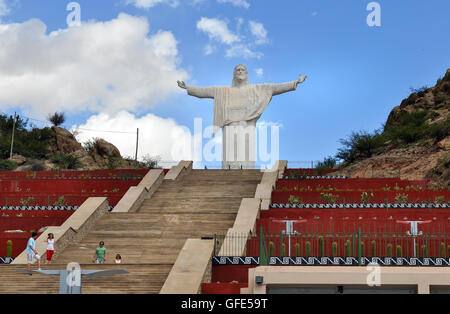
<point>199,204</point>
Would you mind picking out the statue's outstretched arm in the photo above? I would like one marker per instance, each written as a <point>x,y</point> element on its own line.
<point>200,92</point>
<point>287,87</point>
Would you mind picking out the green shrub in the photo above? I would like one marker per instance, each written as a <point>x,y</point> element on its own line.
<point>329,197</point>
<point>413,127</point>
<point>271,248</point>
<point>308,249</point>
<point>348,248</point>
<point>366,197</point>
<point>439,199</point>
<point>327,163</point>
<point>113,162</point>
<point>28,142</point>
<point>27,201</point>
<point>389,250</point>
<point>439,131</point>
<point>424,250</point>
<point>374,248</point>
<point>89,146</point>
<point>335,249</point>
<point>60,202</point>
<point>443,250</point>
<point>150,161</point>
<point>321,246</point>
<point>7,165</point>
<point>419,91</point>
<point>66,161</point>
<point>399,251</point>
<point>293,200</point>
<point>283,249</point>
<point>401,198</point>
<point>57,118</point>
<point>37,165</point>
<point>297,249</point>
<point>9,244</point>
<point>360,145</point>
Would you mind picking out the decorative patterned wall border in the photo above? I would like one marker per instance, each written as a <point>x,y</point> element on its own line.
<point>332,261</point>
<point>43,207</point>
<point>287,177</point>
<point>6,260</point>
<point>378,205</point>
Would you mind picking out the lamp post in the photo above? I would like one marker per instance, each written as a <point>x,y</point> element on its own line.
<point>414,231</point>
<point>289,230</point>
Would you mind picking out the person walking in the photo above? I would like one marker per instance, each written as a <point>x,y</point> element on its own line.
<point>50,248</point>
<point>100,254</point>
<point>32,254</point>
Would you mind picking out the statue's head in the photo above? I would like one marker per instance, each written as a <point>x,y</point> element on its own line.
<point>240,75</point>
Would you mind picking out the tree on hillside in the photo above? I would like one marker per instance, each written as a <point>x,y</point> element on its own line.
<point>57,118</point>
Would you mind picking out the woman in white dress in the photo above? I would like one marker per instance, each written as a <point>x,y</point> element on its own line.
<point>50,248</point>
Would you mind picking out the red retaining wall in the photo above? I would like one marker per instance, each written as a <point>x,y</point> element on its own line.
<point>72,186</point>
<point>51,200</point>
<point>82,174</point>
<point>355,196</point>
<point>31,223</point>
<point>223,288</point>
<point>306,171</point>
<point>19,242</point>
<point>229,273</point>
<point>353,183</point>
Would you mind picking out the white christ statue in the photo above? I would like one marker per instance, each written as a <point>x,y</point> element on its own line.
<point>236,111</point>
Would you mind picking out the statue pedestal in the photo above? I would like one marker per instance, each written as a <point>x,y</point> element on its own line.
<point>238,165</point>
<point>238,145</point>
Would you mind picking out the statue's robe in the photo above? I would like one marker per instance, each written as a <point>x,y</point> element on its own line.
<point>236,110</point>
<point>234,104</point>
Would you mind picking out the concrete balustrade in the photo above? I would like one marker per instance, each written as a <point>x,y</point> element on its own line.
<point>178,171</point>
<point>74,229</point>
<point>247,214</point>
<point>135,195</point>
<point>268,183</point>
<point>281,168</point>
<point>191,269</point>
<point>235,241</point>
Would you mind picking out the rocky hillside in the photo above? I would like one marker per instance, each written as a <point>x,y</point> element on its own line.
<point>63,151</point>
<point>415,142</point>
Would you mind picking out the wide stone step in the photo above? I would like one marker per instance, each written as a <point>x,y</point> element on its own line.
<point>144,278</point>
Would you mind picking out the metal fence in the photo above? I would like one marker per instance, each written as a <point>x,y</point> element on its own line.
<point>342,244</point>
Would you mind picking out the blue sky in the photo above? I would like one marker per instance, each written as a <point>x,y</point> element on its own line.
<point>356,73</point>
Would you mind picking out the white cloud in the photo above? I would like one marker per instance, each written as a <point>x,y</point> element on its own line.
<point>258,30</point>
<point>236,3</point>
<point>243,51</point>
<point>217,30</point>
<point>259,72</point>
<point>209,49</point>
<point>237,45</point>
<point>4,10</point>
<point>145,4</point>
<point>157,136</point>
<point>98,66</point>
